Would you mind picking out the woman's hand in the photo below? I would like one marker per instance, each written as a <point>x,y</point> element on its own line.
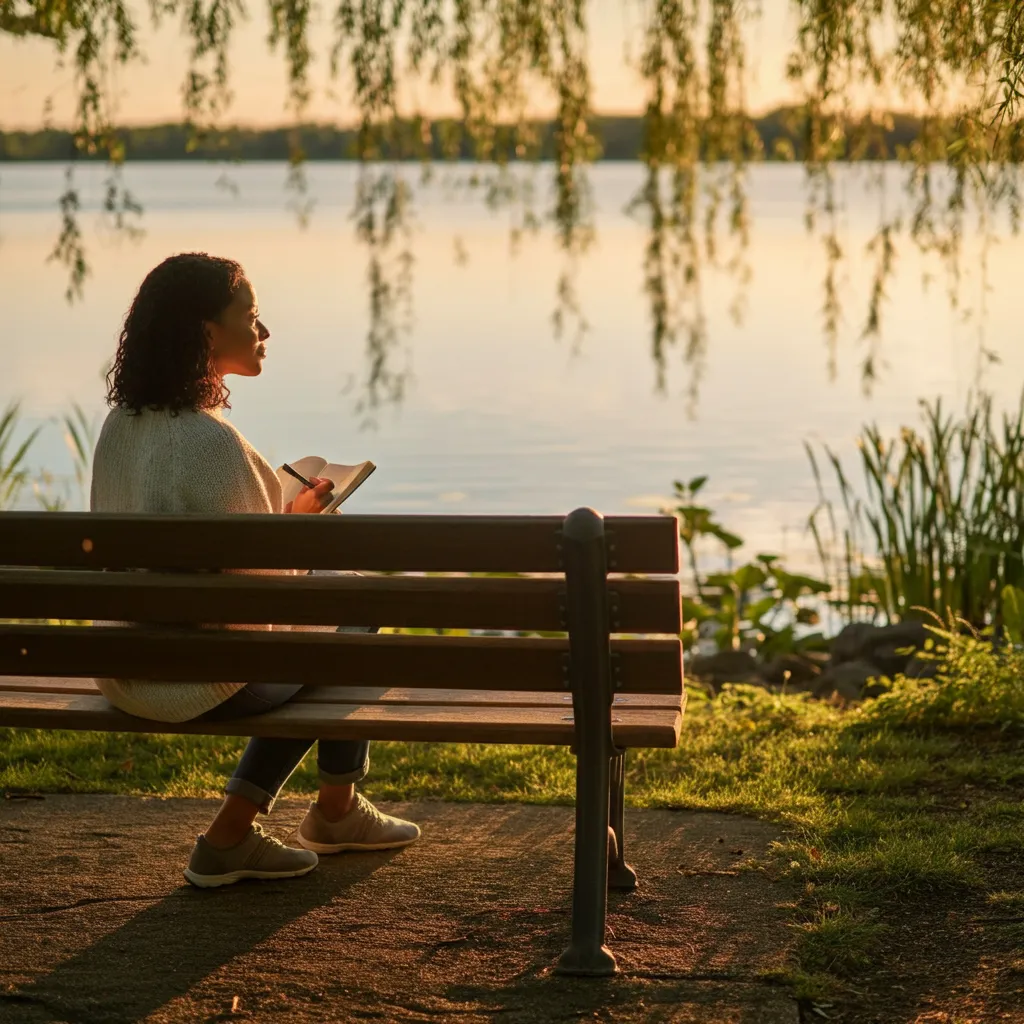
<point>312,499</point>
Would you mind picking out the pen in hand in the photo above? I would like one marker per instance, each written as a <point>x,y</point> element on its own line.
<point>298,476</point>
<point>325,498</point>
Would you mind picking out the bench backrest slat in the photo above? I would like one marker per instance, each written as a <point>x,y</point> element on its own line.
<point>504,663</point>
<point>636,544</point>
<point>505,603</point>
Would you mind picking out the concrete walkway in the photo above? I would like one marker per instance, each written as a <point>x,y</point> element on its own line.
<point>97,925</point>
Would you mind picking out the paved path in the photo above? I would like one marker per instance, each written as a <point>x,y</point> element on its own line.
<point>96,924</point>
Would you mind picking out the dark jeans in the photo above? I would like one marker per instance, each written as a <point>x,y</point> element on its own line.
<point>267,762</point>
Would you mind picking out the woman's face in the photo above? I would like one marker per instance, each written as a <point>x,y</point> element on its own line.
<point>237,336</point>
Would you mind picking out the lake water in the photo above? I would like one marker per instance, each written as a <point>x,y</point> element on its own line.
<point>499,415</point>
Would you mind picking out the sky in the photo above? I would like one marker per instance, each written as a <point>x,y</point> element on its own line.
<point>150,92</point>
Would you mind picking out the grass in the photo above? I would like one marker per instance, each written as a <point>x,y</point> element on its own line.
<point>911,801</point>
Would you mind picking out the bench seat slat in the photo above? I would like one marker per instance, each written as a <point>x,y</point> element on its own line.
<point>640,605</point>
<point>632,727</point>
<point>638,544</point>
<point>437,662</point>
<point>370,694</point>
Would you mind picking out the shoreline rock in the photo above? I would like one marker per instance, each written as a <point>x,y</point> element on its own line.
<point>861,657</point>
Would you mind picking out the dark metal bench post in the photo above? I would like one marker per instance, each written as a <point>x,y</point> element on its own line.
<point>590,673</point>
<point>620,875</point>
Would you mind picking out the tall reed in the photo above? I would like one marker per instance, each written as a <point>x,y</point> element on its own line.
<point>52,492</point>
<point>939,524</point>
<point>13,471</point>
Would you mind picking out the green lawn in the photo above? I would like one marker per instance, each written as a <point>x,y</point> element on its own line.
<point>912,802</point>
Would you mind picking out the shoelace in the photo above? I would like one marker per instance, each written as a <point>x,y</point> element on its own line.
<point>369,811</point>
<point>266,836</point>
<point>367,818</point>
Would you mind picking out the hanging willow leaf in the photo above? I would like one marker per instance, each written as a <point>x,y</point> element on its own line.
<point>959,65</point>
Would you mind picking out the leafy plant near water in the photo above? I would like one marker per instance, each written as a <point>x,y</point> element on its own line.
<point>937,528</point>
<point>940,524</point>
<point>979,685</point>
<point>758,603</point>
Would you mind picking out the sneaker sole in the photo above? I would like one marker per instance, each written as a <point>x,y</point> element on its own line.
<point>308,844</point>
<point>213,881</point>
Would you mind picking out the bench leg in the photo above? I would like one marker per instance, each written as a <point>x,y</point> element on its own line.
<point>586,583</point>
<point>587,954</point>
<point>620,875</point>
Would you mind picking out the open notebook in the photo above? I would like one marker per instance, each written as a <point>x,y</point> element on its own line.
<point>345,478</point>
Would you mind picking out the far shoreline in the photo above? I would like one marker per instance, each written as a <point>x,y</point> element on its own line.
<point>621,138</point>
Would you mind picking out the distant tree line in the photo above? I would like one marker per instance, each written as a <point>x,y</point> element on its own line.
<point>782,133</point>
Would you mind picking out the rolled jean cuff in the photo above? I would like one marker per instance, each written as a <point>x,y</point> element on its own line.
<point>345,778</point>
<point>250,791</point>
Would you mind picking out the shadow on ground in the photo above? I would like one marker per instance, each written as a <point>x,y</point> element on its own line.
<point>96,925</point>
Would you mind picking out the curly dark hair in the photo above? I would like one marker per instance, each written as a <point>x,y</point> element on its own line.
<point>163,358</point>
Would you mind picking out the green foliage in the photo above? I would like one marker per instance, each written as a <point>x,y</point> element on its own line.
<point>13,471</point>
<point>856,582</point>
<point>80,438</point>
<point>696,521</point>
<point>758,602</point>
<point>979,685</point>
<point>940,523</point>
<point>1013,614</point>
<point>937,529</point>
<point>959,65</point>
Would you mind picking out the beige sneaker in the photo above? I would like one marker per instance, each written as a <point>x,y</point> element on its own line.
<point>258,855</point>
<point>363,828</point>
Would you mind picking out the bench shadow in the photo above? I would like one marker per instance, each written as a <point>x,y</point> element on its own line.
<point>163,951</point>
<point>551,997</point>
<point>682,957</point>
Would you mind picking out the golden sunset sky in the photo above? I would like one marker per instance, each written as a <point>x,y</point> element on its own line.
<point>150,92</point>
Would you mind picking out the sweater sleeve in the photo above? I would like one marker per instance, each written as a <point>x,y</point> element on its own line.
<point>229,476</point>
<point>221,473</point>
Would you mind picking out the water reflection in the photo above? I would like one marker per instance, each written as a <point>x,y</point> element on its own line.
<point>383,219</point>
<point>696,225</point>
<point>491,407</point>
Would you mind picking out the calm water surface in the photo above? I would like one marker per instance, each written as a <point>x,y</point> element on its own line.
<point>498,415</point>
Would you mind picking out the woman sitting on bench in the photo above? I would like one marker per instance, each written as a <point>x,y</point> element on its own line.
<point>166,447</point>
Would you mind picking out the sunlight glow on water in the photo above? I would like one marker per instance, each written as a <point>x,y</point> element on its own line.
<point>499,416</point>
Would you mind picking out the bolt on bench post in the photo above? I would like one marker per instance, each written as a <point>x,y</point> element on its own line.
<point>586,575</point>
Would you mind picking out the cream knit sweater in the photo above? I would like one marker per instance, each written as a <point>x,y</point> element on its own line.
<point>189,462</point>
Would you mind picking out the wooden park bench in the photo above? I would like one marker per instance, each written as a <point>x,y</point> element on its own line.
<point>599,693</point>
